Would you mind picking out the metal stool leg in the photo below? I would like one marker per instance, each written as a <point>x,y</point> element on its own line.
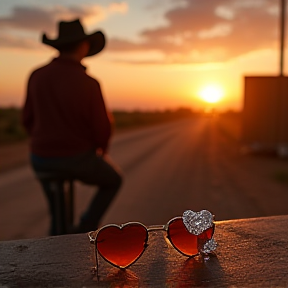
<point>69,206</point>
<point>60,195</point>
<point>58,198</point>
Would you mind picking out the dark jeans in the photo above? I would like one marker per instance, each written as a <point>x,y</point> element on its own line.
<point>89,169</point>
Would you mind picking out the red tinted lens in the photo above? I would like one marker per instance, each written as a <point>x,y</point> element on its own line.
<point>122,246</point>
<point>183,241</point>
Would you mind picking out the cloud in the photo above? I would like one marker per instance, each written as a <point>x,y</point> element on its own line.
<point>8,41</point>
<point>27,18</point>
<point>121,7</point>
<point>210,30</point>
<point>38,19</point>
<point>44,19</point>
<point>195,31</point>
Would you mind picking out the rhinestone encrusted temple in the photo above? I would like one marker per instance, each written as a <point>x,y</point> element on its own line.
<point>209,246</point>
<point>197,222</point>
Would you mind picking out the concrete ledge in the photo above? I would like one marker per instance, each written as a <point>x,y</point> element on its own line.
<point>251,253</point>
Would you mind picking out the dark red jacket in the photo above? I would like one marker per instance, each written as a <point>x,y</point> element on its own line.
<point>64,112</point>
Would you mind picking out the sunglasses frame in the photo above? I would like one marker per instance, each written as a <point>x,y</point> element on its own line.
<point>94,234</point>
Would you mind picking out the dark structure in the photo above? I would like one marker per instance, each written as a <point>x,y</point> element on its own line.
<point>265,112</point>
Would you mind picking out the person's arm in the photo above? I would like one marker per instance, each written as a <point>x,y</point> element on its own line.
<point>101,121</point>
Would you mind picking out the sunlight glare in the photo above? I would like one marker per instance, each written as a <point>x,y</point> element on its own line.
<point>211,94</point>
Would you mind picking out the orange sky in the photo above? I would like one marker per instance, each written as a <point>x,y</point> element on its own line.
<point>158,65</point>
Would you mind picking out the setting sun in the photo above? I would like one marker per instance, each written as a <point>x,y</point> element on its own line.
<point>211,94</point>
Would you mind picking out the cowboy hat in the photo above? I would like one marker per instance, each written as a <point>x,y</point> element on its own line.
<point>73,32</point>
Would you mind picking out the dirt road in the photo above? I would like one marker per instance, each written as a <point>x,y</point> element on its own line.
<point>189,164</point>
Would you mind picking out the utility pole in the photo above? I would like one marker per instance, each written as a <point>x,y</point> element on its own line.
<point>282,34</point>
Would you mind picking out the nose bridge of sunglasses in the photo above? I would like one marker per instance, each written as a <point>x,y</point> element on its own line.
<point>156,228</point>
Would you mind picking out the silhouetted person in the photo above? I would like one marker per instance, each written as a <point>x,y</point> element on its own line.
<point>66,119</point>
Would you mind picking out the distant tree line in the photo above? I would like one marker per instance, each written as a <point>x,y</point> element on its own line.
<point>129,119</point>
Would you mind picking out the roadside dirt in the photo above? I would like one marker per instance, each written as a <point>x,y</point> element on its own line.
<point>14,155</point>
<point>268,164</point>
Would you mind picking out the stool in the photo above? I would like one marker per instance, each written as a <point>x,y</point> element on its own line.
<point>60,193</point>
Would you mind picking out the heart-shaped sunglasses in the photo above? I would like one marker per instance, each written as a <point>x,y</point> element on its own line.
<point>121,246</point>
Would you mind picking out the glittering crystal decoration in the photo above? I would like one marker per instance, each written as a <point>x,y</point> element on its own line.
<point>197,222</point>
<point>209,246</point>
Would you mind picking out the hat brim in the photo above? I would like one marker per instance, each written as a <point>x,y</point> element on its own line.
<point>96,39</point>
